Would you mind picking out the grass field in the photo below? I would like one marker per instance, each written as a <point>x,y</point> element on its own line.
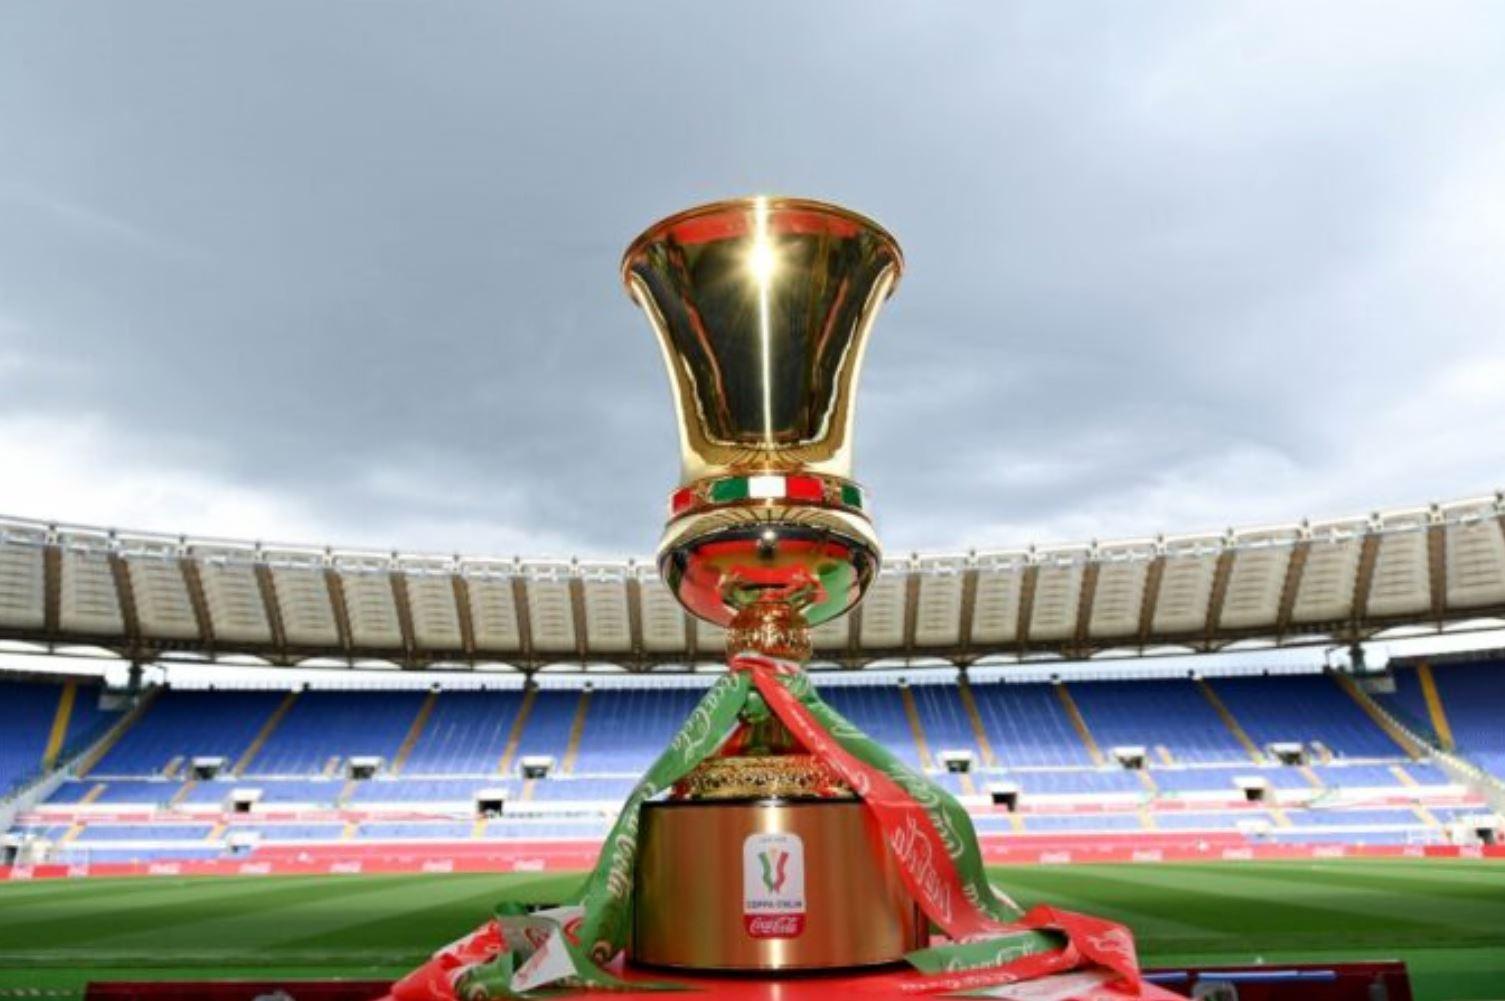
<point>1445,918</point>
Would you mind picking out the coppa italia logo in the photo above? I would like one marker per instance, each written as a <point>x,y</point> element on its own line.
<point>773,885</point>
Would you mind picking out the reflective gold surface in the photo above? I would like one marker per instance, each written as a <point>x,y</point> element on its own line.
<point>767,776</point>
<point>762,308</point>
<point>689,909</point>
<point>817,560</point>
<point>771,628</point>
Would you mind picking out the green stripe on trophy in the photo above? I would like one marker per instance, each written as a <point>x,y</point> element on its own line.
<point>732,489</point>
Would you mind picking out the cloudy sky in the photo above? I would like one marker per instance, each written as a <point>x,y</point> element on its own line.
<point>347,272</point>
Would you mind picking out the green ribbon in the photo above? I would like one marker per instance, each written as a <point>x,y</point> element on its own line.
<point>544,950</point>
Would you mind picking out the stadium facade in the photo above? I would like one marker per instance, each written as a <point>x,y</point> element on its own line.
<point>523,762</point>
<point>148,597</point>
<point>524,768</point>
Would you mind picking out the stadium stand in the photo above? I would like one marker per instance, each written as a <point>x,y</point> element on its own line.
<point>626,730</point>
<point>466,733</point>
<point>878,712</point>
<point>1303,709</point>
<point>1028,726</point>
<point>1123,712</point>
<point>181,725</point>
<point>1466,711</point>
<point>45,720</point>
<point>325,729</point>
<point>547,731</point>
<point>1049,761</point>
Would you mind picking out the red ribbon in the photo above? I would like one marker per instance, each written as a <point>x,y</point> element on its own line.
<point>928,870</point>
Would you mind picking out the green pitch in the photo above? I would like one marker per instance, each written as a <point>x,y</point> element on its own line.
<point>1445,918</point>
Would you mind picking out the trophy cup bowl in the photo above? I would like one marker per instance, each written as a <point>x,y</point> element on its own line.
<point>762,308</point>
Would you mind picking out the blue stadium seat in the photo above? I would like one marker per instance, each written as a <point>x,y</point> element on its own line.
<point>1353,818</point>
<point>326,725</point>
<point>465,734</point>
<point>507,829</point>
<point>27,711</point>
<point>1028,726</point>
<point>625,730</point>
<point>414,830</point>
<point>1357,776</point>
<point>944,719</point>
<point>1036,823</point>
<point>71,791</point>
<point>145,792</point>
<point>606,790</point>
<point>1304,708</point>
<point>1172,713</point>
<point>1473,696</point>
<point>143,832</point>
<point>878,710</point>
<point>460,749</point>
<point>186,725</point>
<point>548,728</point>
<point>290,831</point>
<point>1408,704</point>
<point>1081,781</point>
<point>429,790</point>
<point>1226,820</point>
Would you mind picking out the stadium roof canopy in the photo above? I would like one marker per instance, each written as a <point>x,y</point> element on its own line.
<point>146,596</point>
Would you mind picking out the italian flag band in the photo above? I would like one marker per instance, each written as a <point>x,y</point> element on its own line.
<point>772,834</point>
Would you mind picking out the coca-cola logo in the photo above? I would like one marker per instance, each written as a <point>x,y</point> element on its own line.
<point>773,885</point>
<point>773,925</point>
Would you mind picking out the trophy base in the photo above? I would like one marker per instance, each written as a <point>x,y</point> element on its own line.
<point>768,884</point>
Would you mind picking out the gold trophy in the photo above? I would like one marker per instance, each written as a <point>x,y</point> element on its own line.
<point>762,859</point>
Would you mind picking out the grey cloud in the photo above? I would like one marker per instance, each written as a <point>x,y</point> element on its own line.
<point>317,250</point>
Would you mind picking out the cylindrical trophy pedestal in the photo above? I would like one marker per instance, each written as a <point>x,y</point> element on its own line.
<point>768,884</point>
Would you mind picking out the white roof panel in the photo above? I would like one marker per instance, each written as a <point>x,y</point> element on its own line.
<point>232,594</point>
<point>995,610</point>
<point>554,608</point>
<point>432,603</point>
<point>1402,582</point>
<point>1256,581</point>
<point>160,592</point>
<point>23,578</point>
<point>883,608</point>
<point>303,600</point>
<point>710,641</point>
<point>938,619</point>
<point>1475,556</point>
<point>550,613</point>
<point>606,624</point>
<point>370,603</point>
<point>88,600</point>
<point>1186,586</point>
<point>1058,596</point>
<point>663,618</point>
<point>834,634</point>
<point>1324,593</point>
<point>493,607</point>
<point>1118,599</point>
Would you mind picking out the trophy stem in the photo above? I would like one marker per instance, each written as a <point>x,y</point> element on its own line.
<point>771,628</point>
